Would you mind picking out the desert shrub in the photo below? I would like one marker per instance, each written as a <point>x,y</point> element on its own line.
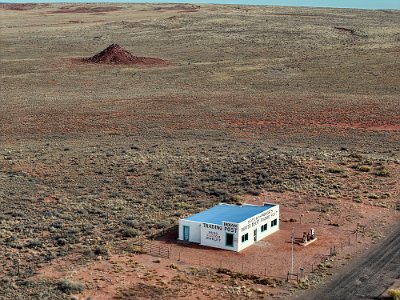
<point>143,291</point>
<point>34,244</point>
<point>394,293</point>
<point>226,198</point>
<point>163,224</point>
<point>294,175</point>
<point>48,256</point>
<point>236,199</point>
<point>101,250</point>
<point>131,223</point>
<point>335,170</point>
<point>356,156</point>
<point>4,217</point>
<point>132,170</point>
<point>183,205</point>
<point>69,287</point>
<point>114,194</point>
<point>173,266</point>
<point>254,192</point>
<point>364,168</point>
<point>129,232</point>
<point>17,214</point>
<point>61,241</point>
<point>324,208</point>
<point>276,181</point>
<point>382,172</point>
<point>224,271</point>
<point>57,224</point>
<point>137,249</point>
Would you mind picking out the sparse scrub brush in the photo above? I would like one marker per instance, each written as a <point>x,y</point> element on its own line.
<point>70,287</point>
<point>236,199</point>
<point>364,168</point>
<point>163,224</point>
<point>394,293</point>
<point>129,232</point>
<point>382,172</point>
<point>335,170</point>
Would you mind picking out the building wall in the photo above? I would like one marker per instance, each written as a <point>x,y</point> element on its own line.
<point>254,223</point>
<point>194,230</point>
<point>215,235</point>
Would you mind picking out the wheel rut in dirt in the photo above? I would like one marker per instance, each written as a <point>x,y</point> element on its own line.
<point>367,277</point>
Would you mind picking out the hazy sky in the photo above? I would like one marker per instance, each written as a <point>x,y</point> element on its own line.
<point>366,4</point>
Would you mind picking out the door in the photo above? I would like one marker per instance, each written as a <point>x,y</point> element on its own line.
<point>229,240</point>
<point>186,233</point>
<point>255,235</point>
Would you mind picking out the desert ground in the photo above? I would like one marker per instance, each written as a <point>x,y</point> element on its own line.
<point>296,106</point>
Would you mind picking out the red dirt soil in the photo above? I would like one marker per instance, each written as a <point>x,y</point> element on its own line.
<point>85,10</point>
<point>106,277</point>
<point>179,8</point>
<point>21,6</point>
<point>116,55</point>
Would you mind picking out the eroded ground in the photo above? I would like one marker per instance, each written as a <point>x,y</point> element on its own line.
<point>294,106</point>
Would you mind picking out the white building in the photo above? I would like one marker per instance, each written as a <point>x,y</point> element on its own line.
<point>230,227</point>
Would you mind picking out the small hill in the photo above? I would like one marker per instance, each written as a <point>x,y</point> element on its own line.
<point>117,55</point>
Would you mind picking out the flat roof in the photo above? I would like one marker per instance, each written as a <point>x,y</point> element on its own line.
<point>229,213</point>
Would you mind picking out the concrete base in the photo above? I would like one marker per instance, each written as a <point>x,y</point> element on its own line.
<point>308,243</point>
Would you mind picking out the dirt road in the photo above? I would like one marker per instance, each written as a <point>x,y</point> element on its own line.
<point>367,277</point>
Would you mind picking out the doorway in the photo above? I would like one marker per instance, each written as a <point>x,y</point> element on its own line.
<point>229,240</point>
<point>255,235</point>
<point>186,233</point>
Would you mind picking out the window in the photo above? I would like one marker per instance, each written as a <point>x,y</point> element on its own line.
<point>245,237</point>
<point>274,222</point>
<point>264,227</point>
<point>229,240</point>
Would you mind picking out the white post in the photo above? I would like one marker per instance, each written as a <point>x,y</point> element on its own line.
<point>292,251</point>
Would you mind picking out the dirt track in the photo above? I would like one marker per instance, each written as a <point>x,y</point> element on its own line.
<point>367,277</point>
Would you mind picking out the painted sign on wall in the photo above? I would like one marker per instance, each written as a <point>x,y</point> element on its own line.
<point>254,221</point>
<point>230,227</point>
<point>213,236</point>
<point>212,226</point>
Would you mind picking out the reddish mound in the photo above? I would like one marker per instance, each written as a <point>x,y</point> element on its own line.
<point>116,55</point>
